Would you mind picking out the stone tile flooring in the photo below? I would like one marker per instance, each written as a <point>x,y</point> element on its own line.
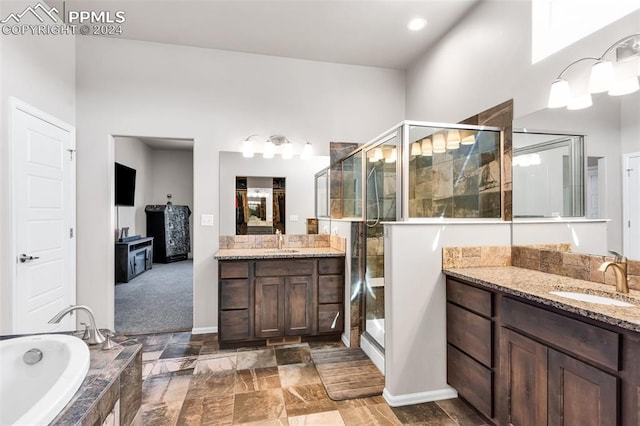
<point>188,380</point>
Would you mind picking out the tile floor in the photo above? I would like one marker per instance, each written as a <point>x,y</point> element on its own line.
<point>188,380</point>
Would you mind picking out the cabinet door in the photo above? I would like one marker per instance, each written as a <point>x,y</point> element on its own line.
<point>580,394</point>
<point>269,309</point>
<point>298,305</point>
<point>524,375</point>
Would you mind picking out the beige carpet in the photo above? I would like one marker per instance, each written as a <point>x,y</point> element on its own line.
<point>347,373</point>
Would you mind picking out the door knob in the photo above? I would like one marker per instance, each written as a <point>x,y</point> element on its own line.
<point>25,258</point>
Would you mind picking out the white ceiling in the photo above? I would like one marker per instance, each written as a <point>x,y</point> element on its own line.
<point>358,32</point>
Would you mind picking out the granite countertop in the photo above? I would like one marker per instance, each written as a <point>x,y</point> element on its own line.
<point>535,286</point>
<point>286,253</point>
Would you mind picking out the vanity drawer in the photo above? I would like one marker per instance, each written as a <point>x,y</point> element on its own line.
<point>234,269</point>
<point>234,294</point>
<point>331,266</point>
<point>472,298</point>
<point>571,336</point>
<point>330,288</point>
<point>470,333</point>
<point>472,380</point>
<point>283,268</point>
<point>234,325</point>
<point>330,318</point>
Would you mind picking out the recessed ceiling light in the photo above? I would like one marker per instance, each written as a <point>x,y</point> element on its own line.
<point>416,24</point>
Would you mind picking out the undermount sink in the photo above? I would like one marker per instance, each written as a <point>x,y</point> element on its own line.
<point>591,298</point>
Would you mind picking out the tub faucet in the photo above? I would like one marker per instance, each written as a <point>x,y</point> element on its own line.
<point>279,239</point>
<point>95,337</point>
<point>619,266</point>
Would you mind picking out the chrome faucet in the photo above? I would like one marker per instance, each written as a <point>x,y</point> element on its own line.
<point>279,239</point>
<point>95,337</point>
<point>619,266</point>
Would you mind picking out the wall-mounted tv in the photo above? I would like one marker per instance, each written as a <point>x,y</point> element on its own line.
<point>125,185</point>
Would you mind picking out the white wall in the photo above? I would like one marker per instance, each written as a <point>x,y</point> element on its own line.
<point>342,228</point>
<point>216,98</point>
<point>585,236</point>
<point>486,60</point>
<point>415,304</point>
<point>41,72</point>
<point>136,154</point>
<point>630,123</point>
<point>299,195</point>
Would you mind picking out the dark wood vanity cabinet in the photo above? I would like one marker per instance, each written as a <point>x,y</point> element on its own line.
<point>273,298</point>
<point>521,363</point>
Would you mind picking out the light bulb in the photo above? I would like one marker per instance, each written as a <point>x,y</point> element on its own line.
<point>602,77</point>
<point>439,145</point>
<point>287,151</point>
<point>307,151</point>
<point>269,149</point>
<point>247,148</point>
<point>559,94</point>
<point>427,148</point>
<point>417,24</point>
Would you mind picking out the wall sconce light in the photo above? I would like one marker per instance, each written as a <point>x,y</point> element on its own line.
<point>271,144</point>
<point>427,147</point>
<point>616,79</point>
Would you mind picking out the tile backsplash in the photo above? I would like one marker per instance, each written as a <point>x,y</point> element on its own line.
<point>550,258</point>
<point>290,241</point>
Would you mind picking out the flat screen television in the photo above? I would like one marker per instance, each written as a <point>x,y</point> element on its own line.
<point>125,185</point>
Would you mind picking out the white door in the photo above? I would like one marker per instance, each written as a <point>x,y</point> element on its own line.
<point>631,201</point>
<point>43,191</point>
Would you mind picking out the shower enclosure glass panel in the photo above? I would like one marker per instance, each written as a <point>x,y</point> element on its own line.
<point>453,172</point>
<point>352,186</point>
<point>381,172</point>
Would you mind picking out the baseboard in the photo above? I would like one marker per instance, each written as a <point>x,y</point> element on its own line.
<point>372,352</point>
<point>345,341</point>
<point>204,330</point>
<point>419,397</point>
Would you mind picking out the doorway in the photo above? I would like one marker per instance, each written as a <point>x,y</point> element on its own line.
<point>43,219</point>
<point>631,205</point>
<point>153,234</point>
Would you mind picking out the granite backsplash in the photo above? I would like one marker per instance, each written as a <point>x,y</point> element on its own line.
<point>554,259</point>
<point>290,241</point>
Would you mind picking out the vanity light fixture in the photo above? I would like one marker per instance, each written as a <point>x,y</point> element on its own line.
<point>427,147</point>
<point>415,149</point>
<point>377,155</point>
<point>606,76</point>
<point>270,145</point>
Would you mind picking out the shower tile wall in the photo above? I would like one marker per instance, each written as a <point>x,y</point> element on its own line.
<point>351,186</point>
<point>337,151</point>
<point>463,183</point>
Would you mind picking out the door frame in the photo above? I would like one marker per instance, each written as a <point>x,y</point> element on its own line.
<point>625,202</point>
<point>16,105</point>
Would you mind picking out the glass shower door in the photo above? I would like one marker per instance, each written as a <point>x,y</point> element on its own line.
<point>380,206</point>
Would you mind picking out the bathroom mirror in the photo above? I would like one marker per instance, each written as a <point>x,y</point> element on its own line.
<point>292,185</point>
<point>611,132</point>
<point>548,175</point>
<point>260,205</point>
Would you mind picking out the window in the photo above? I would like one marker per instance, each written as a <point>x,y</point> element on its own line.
<point>558,23</point>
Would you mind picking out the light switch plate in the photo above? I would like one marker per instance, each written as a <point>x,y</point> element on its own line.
<point>206,220</point>
<point>293,218</point>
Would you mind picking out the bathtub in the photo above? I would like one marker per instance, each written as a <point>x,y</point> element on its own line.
<point>35,394</point>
